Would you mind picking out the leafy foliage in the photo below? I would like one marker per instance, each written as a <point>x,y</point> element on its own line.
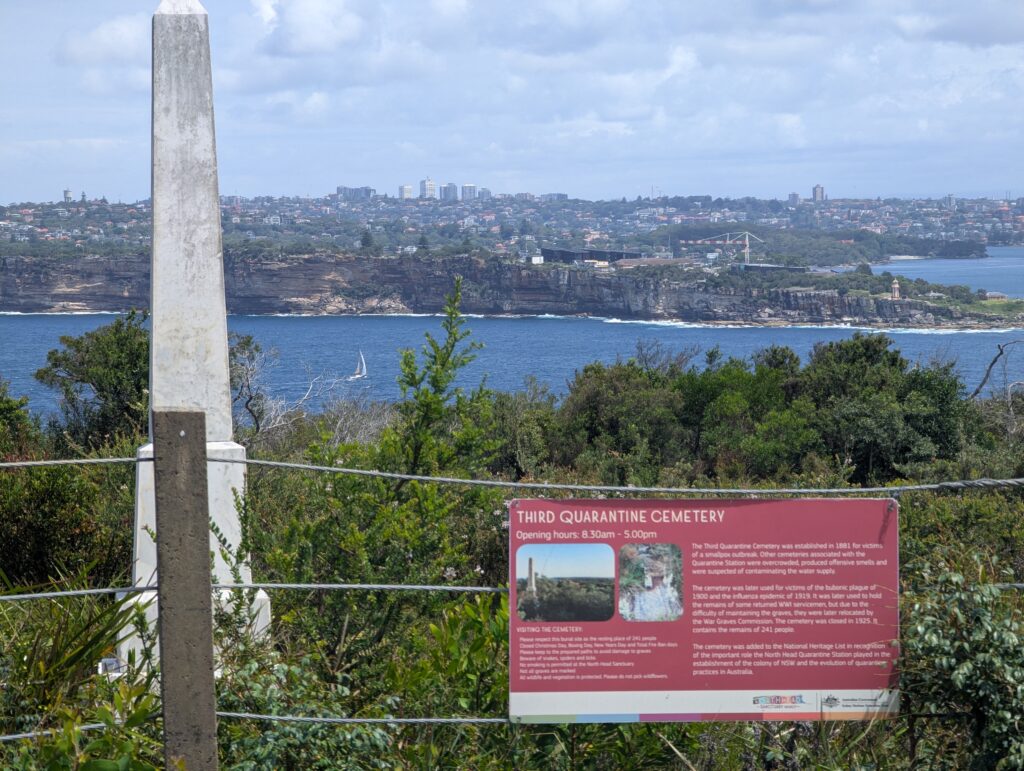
<point>963,655</point>
<point>857,403</point>
<point>568,599</point>
<point>64,520</point>
<point>856,412</point>
<point>103,380</point>
<point>264,682</point>
<point>18,431</point>
<point>372,530</point>
<point>49,651</point>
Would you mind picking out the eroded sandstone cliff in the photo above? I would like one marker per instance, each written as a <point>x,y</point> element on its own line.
<point>333,284</point>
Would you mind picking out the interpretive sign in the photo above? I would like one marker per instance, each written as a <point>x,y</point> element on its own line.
<point>658,610</point>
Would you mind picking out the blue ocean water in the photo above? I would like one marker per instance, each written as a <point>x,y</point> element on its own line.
<point>550,349</point>
<point>1002,271</point>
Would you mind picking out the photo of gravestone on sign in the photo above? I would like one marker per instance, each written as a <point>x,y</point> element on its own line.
<point>650,582</point>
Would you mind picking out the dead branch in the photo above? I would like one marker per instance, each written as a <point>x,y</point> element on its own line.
<point>991,365</point>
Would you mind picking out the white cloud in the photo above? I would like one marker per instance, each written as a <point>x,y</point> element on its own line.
<point>792,131</point>
<point>590,125</point>
<point>121,39</point>
<point>35,148</point>
<point>561,84</point>
<point>298,105</point>
<point>450,7</point>
<point>110,80</point>
<point>310,27</point>
<point>266,11</point>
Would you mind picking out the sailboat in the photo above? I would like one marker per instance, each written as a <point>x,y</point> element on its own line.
<point>360,372</point>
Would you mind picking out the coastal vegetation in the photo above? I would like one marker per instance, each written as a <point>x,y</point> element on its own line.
<point>864,280</point>
<point>857,413</point>
<point>811,247</point>
<point>567,599</point>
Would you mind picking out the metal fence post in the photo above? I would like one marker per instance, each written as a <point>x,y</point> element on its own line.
<point>184,592</point>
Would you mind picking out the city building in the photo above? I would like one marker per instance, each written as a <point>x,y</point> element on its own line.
<point>356,193</point>
<point>588,255</point>
<point>428,188</point>
<point>404,192</point>
<point>818,194</point>
<point>794,199</point>
<point>555,197</point>
<point>450,192</point>
<point>483,193</point>
<point>468,192</point>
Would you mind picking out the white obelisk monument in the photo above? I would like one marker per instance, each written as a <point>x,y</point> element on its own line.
<point>189,348</point>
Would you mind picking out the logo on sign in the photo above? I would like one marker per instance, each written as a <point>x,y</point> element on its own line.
<point>775,701</point>
<point>830,701</point>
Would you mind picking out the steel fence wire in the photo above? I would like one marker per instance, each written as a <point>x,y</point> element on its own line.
<point>894,491</point>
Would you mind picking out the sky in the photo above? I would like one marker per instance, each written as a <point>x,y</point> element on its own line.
<point>595,98</point>
<point>566,560</point>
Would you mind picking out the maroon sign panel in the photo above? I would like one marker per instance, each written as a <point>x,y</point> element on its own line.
<point>662,610</point>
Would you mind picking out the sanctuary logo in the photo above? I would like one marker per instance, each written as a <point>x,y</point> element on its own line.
<point>776,701</point>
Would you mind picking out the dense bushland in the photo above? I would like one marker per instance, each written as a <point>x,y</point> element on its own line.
<point>856,413</point>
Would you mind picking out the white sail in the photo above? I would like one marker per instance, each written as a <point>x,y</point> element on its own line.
<point>360,372</point>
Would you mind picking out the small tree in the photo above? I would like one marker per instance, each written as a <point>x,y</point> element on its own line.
<point>103,381</point>
<point>17,429</point>
<point>380,530</point>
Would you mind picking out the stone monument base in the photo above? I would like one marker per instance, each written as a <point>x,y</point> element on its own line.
<point>226,486</point>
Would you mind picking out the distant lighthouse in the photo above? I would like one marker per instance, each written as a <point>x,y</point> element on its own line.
<point>895,289</point>
<point>531,578</point>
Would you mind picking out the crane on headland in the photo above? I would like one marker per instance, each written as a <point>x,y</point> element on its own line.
<point>730,239</point>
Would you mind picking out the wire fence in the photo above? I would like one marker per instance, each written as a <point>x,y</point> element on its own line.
<point>75,593</point>
<point>365,720</point>
<point>894,491</point>
<point>962,484</point>
<point>15,464</point>
<point>370,587</point>
<point>953,485</point>
<point>42,734</point>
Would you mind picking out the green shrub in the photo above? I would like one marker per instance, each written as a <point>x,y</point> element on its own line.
<point>963,655</point>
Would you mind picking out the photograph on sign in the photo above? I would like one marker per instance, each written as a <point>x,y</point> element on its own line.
<point>650,582</point>
<point>658,610</point>
<point>565,582</point>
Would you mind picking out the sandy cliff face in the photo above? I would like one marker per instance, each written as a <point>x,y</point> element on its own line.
<point>329,284</point>
<point>36,285</point>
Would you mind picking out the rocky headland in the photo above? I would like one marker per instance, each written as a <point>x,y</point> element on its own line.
<point>319,284</point>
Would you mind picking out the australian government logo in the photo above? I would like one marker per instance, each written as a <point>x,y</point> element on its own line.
<point>778,701</point>
<point>830,701</point>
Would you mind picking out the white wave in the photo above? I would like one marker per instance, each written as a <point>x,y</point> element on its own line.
<point>332,315</point>
<point>274,315</point>
<point>951,331</point>
<point>844,327</point>
<point>717,325</point>
<point>62,313</point>
<point>401,315</point>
